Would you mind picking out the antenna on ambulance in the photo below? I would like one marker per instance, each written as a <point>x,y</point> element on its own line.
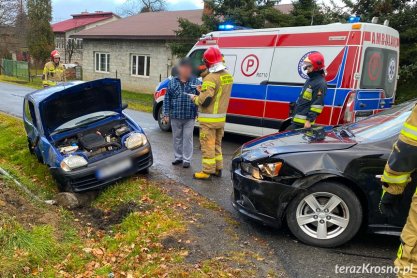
<point>386,22</point>
<point>375,20</point>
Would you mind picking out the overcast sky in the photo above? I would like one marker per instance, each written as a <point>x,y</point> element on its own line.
<point>62,9</point>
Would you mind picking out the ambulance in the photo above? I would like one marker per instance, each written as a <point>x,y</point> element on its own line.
<point>267,65</point>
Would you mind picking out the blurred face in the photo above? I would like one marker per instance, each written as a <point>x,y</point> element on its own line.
<point>56,60</point>
<point>308,67</point>
<point>184,71</point>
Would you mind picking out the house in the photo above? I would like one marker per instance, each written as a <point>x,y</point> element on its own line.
<point>13,44</point>
<point>70,48</point>
<point>135,49</point>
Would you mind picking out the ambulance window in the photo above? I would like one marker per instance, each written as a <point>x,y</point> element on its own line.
<point>380,70</point>
<point>197,60</point>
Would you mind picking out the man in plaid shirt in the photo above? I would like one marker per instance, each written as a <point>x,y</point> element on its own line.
<point>182,112</point>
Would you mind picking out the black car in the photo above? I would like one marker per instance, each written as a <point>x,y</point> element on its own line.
<point>323,183</point>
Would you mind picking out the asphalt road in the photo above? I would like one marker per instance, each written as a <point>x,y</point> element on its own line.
<point>298,259</point>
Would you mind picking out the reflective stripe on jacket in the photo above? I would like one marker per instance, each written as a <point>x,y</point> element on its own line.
<point>310,102</point>
<point>403,158</point>
<point>213,100</point>
<point>409,131</point>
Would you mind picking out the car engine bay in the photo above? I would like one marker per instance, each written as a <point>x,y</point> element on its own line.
<point>95,141</point>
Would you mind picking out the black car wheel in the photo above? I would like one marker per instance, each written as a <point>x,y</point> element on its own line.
<point>326,215</point>
<point>162,125</point>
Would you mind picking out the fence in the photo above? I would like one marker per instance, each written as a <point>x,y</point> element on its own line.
<point>15,68</point>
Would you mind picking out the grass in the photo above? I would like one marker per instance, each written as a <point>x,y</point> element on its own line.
<point>16,158</point>
<point>136,101</point>
<point>73,247</point>
<point>41,245</point>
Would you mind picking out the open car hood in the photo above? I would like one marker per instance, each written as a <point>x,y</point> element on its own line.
<point>78,100</point>
<point>295,141</point>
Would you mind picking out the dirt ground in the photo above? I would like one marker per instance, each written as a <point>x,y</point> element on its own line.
<point>28,213</point>
<point>210,235</point>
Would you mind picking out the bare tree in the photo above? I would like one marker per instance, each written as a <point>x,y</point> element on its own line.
<point>9,9</point>
<point>72,48</point>
<point>133,7</point>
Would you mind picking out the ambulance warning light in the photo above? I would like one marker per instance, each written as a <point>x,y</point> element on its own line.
<point>354,19</point>
<point>226,27</point>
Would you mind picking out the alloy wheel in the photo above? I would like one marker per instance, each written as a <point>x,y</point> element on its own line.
<point>322,215</point>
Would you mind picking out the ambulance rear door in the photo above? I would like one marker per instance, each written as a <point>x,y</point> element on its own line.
<point>377,78</point>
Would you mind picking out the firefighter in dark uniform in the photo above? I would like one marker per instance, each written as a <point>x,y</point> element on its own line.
<point>310,103</point>
<point>397,174</point>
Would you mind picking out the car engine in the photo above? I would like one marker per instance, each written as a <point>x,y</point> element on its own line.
<point>97,141</point>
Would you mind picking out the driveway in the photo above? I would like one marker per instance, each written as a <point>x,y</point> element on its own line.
<point>298,259</point>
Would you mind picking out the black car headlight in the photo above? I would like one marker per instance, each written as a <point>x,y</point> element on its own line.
<point>254,171</point>
<point>259,171</point>
<point>272,171</point>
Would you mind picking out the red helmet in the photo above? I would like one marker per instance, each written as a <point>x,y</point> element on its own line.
<point>316,59</point>
<point>212,56</point>
<point>55,54</point>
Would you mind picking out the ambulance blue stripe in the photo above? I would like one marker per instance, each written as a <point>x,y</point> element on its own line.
<point>342,70</point>
<point>249,91</point>
<point>283,93</point>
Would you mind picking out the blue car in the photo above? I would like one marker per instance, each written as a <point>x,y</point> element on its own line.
<point>80,131</point>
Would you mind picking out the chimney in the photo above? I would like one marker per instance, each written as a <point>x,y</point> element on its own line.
<point>207,10</point>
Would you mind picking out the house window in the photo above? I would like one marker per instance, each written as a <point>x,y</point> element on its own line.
<point>102,62</point>
<point>141,65</point>
<point>79,44</point>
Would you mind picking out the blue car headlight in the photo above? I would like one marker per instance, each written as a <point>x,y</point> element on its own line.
<point>73,162</point>
<point>135,140</point>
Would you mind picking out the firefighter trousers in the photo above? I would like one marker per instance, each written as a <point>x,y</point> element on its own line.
<point>406,260</point>
<point>211,148</point>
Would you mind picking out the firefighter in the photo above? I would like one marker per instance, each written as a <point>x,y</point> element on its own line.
<point>54,71</point>
<point>213,102</point>
<point>310,103</point>
<point>401,163</point>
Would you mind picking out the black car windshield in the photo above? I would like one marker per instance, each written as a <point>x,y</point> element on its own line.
<point>383,125</point>
<point>84,120</point>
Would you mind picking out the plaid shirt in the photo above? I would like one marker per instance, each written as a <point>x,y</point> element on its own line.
<point>177,104</point>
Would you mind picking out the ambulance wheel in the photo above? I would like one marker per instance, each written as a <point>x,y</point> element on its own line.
<point>162,125</point>
<point>327,214</point>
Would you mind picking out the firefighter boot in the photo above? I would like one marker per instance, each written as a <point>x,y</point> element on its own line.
<point>201,176</point>
<point>407,253</point>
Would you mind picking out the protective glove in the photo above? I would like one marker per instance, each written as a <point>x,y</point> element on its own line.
<point>390,204</point>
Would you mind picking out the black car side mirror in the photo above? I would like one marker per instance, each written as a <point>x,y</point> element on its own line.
<point>124,106</point>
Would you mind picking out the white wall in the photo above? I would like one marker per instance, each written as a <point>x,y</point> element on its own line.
<point>120,61</point>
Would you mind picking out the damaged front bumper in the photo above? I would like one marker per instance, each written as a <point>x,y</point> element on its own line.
<point>87,178</point>
<point>261,200</point>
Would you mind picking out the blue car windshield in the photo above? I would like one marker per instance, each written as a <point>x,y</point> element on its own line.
<point>383,125</point>
<point>84,120</point>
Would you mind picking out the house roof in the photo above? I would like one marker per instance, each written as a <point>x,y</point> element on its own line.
<point>81,20</point>
<point>151,25</point>
<point>284,8</point>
